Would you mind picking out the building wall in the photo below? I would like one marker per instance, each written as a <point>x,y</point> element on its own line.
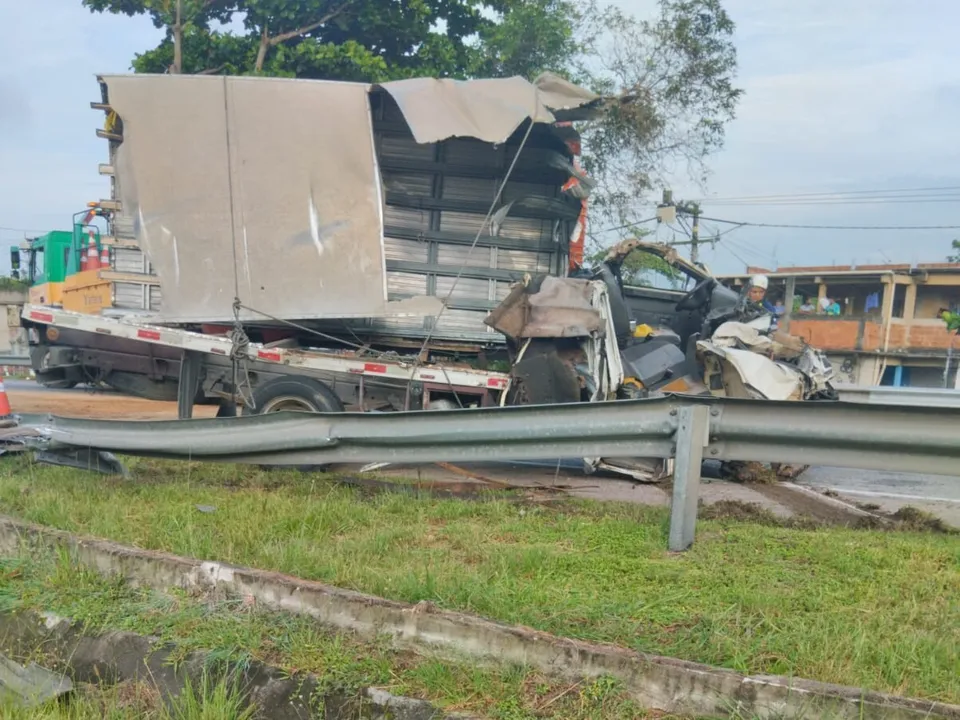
<point>867,335</point>
<point>931,298</point>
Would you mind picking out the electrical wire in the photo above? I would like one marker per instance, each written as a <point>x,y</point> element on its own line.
<point>741,224</point>
<point>628,225</point>
<point>835,193</point>
<point>895,200</point>
<point>729,249</point>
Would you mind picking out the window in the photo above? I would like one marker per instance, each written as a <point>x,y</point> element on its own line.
<point>643,269</point>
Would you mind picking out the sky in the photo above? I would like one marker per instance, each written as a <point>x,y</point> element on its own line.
<point>841,96</point>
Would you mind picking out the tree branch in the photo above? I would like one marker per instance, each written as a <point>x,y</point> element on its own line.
<point>283,37</point>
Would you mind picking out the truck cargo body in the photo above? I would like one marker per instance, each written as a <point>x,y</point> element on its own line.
<point>349,208</point>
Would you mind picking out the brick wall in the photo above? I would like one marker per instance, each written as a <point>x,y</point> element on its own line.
<point>827,334</point>
<point>841,334</point>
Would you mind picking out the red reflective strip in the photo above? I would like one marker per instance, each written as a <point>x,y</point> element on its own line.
<point>374,368</point>
<point>424,376</point>
<point>42,317</point>
<point>218,351</point>
<point>148,334</point>
<point>267,355</point>
<point>497,383</point>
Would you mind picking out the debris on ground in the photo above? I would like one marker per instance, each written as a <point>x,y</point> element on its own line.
<point>30,686</point>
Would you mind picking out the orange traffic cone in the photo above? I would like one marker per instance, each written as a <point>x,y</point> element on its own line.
<point>105,257</point>
<point>93,257</point>
<point>5,410</point>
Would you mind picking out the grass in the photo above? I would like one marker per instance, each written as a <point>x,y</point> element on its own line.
<point>236,634</point>
<point>868,608</point>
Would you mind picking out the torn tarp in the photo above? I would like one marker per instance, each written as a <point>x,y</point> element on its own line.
<point>489,110</point>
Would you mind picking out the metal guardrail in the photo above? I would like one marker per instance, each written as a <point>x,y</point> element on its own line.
<point>18,360</point>
<point>856,435</point>
<point>883,395</point>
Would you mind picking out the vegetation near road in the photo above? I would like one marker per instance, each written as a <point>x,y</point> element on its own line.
<point>869,608</point>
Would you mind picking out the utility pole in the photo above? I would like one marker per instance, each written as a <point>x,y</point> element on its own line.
<point>695,235</point>
<point>667,212</point>
<point>693,210</point>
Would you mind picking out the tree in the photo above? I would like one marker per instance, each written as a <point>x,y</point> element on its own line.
<point>673,80</point>
<point>175,15</point>
<point>956,249</point>
<point>668,82</point>
<point>369,40</point>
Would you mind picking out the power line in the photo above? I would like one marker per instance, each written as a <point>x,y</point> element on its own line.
<point>628,225</point>
<point>893,200</point>
<point>832,227</point>
<point>832,193</point>
<point>729,249</point>
<point>21,230</point>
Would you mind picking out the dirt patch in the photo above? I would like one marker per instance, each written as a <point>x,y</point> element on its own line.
<point>910,519</point>
<point>739,511</point>
<point>94,404</point>
<point>426,488</point>
<point>906,519</point>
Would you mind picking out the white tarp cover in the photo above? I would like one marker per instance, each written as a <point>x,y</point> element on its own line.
<point>268,189</point>
<point>489,110</point>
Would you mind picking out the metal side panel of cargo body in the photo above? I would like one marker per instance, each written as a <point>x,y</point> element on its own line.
<point>435,204</point>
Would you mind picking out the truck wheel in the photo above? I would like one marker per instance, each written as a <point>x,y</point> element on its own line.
<point>296,393</point>
<point>44,366</point>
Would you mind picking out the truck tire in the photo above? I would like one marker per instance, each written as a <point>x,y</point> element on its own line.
<point>42,365</point>
<point>296,393</point>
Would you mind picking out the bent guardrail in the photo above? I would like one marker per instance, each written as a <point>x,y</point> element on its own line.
<point>856,435</point>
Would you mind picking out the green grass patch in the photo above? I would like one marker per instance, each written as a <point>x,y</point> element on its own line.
<point>868,608</point>
<point>235,633</point>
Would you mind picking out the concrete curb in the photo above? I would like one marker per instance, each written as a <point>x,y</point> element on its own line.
<point>656,682</point>
<point>115,657</point>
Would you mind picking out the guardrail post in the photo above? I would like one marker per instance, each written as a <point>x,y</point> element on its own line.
<point>693,431</point>
<point>189,382</point>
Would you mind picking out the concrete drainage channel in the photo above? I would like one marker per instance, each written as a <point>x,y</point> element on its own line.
<point>126,657</point>
<point>660,683</point>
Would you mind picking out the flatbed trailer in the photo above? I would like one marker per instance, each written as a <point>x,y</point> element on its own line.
<point>169,363</point>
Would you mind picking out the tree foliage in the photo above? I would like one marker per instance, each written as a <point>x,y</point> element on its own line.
<point>669,80</point>
<point>955,257</point>
<point>674,78</point>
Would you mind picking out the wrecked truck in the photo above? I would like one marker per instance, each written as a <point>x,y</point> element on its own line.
<point>581,338</point>
<point>704,339</point>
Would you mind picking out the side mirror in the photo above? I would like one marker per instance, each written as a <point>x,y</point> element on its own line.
<point>15,262</point>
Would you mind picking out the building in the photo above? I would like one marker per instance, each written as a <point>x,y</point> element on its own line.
<point>887,331</point>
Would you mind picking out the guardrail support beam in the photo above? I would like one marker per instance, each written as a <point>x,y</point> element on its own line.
<point>189,383</point>
<point>693,432</point>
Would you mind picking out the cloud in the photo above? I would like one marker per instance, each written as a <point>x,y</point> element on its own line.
<point>840,96</point>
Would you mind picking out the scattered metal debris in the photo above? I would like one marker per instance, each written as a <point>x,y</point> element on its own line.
<point>85,459</point>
